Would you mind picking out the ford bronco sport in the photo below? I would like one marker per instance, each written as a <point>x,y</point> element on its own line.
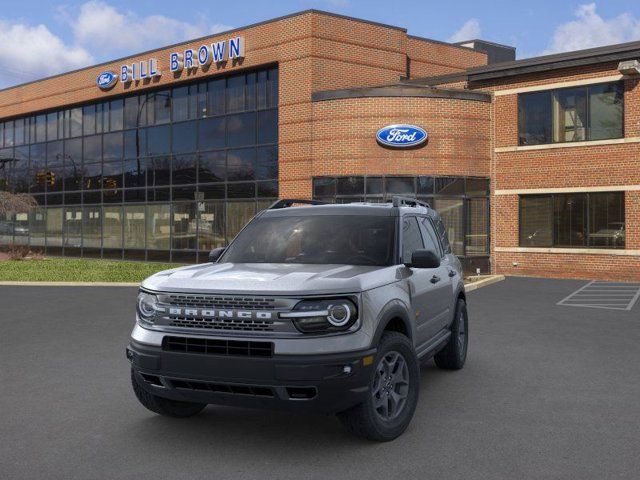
<point>324,308</point>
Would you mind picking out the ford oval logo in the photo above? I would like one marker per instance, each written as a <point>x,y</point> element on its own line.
<point>106,80</point>
<point>401,136</point>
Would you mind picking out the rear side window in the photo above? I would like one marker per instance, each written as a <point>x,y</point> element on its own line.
<point>411,238</point>
<point>430,239</point>
<point>442,235</point>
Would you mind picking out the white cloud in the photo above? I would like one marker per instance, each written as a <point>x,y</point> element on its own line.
<point>97,32</point>
<point>469,31</point>
<point>591,30</point>
<point>108,31</point>
<point>29,52</point>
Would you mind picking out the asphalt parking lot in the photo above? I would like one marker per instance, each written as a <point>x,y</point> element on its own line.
<point>549,391</point>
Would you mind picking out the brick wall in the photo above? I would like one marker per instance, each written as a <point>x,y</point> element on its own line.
<point>564,167</point>
<point>344,140</point>
<point>431,58</point>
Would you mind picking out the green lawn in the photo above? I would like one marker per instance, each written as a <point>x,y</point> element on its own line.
<point>77,270</point>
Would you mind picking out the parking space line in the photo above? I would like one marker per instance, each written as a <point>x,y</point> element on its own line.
<point>607,295</point>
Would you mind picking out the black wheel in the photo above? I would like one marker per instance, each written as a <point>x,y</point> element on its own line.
<point>164,406</point>
<point>453,356</point>
<point>393,392</point>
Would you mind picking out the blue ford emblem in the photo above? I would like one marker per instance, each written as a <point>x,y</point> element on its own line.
<point>401,136</point>
<point>106,80</point>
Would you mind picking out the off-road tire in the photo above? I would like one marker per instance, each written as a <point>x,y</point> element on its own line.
<point>363,420</point>
<point>164,406</point>
<point>454,355</point>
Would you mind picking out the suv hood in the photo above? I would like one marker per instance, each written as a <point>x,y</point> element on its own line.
<point>271,279</point>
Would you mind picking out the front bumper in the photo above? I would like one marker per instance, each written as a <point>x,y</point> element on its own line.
<point>326,383</point>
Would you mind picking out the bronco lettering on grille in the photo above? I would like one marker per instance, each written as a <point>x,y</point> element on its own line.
<point>209,313</point>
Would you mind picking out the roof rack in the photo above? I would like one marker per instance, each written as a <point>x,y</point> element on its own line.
<point>398,201</point>
<point>288,202</point>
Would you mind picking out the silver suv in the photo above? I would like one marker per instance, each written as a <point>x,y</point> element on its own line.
<point>325,308</point>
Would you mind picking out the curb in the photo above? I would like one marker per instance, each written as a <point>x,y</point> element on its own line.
<point>483,283</point>
<point>70,284</point>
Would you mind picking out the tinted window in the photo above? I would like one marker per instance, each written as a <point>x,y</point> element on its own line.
<point>576,114</point>
<point>534,118</point>
<point>411,238</point>
<point>595,220</point>
<point>364,240</point>
<point>429,235</point>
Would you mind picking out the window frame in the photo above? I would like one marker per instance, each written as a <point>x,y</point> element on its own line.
<point>552,94</point>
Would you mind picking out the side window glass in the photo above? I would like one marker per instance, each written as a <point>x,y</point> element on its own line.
<point>411,238</point>
<point>430,239</point>
<point>442,234</point>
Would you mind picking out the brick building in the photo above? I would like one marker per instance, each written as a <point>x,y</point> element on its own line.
<point>166,154</point>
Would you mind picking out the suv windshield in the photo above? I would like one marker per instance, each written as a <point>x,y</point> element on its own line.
<point>319,239</point>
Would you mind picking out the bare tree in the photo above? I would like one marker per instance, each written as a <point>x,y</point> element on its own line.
<point>16,203</point>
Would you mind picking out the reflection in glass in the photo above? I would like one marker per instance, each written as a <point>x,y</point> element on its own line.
<point>112,227</point>
<point>238,214</point>
<point>134,226</point>
<point>53,220</point>
<point>92,227</point>
<point>452,213</point>
<point>73,227</point>
<point>158,226</point>
<point>184,226</point>
<point>211,226</point>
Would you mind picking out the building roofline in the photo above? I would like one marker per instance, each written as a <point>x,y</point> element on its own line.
<point>441,42</point>
<point>436,79</point>
<point>501,45</point>
<point>400,90</point>
<point>226,32</point>
<point>590,56</point>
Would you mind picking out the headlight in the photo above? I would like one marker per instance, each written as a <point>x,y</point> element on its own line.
<point>147,305</point>
<point>323,316</point>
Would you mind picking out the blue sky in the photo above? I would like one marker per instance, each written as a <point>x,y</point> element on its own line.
<point>43,37</point>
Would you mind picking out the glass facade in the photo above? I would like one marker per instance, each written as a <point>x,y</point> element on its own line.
<point>463,204</point>
<point>162,175</point>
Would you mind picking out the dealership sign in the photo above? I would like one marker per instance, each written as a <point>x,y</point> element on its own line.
<point>106,80</point>
<point>401,136</point>
<point>189,59</point>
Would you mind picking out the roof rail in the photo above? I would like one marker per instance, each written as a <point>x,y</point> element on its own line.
<point>288,202</point>
<point>398,201</point>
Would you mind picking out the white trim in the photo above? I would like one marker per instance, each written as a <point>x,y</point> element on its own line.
<point>570,251</point>
<point>550,86</point>
<point>547,146</point>
<point>534,191</point>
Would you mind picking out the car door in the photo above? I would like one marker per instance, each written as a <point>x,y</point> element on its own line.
<point>423,288</point>
<point>445,273</point>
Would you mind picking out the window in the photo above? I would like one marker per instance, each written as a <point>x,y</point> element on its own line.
<point>452,213</point>
<point>411,238</point>
<point>592,112</point>
<point>364,240</point>
<point>477,233</point>
<point>583,220</point>
<point>429,236</point>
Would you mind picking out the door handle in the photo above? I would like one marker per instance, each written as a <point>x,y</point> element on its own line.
<point>452,273</point>
<point>435,279</point>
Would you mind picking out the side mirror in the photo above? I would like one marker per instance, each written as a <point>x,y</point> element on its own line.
<point>215,254</point>
<point>424,259</point>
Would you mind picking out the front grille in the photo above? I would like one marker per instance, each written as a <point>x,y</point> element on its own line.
<point>221,324</point>
<point>252,390</point>
<point>207,346</point>
<point>222,302</point>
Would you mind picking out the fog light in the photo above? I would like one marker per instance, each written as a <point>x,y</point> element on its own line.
<point>346,369</point>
